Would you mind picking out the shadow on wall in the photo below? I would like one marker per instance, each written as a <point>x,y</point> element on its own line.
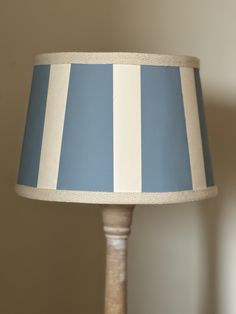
<point>52,255</point>
<point>219,215</point>
<point>51,258</point>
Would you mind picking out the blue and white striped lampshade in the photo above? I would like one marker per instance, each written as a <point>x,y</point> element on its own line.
<point>117,128</point>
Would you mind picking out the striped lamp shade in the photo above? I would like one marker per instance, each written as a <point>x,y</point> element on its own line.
<point>115,128</point>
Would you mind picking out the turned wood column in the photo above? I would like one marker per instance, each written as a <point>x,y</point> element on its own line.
<point>117,221</point>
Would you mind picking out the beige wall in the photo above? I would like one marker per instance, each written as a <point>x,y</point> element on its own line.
<point>182,257</point>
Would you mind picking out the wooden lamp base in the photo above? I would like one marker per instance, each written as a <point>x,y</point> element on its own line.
<point>117,220</point>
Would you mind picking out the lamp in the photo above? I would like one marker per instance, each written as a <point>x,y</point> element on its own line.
<point>116,129</point>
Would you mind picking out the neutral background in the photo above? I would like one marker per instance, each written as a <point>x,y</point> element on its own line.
<point>182,257</point>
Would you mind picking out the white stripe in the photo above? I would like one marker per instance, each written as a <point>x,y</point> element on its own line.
<point>193,128</point>
<point>53,126</point>
<point>127,128</point>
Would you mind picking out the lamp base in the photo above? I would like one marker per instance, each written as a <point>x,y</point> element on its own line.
<point>117,220</point>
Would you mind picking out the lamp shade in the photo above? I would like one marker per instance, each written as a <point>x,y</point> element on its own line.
<point>117,128</point>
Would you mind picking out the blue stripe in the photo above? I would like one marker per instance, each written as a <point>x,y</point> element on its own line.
<point>205,145</point>
<point>30,155</point>
<point>86,161</point>
<point>165,155</point>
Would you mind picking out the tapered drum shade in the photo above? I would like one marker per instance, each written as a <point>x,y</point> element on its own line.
<point>115,128</point>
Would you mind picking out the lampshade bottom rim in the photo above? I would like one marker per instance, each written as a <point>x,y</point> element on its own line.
<point>90,197</point>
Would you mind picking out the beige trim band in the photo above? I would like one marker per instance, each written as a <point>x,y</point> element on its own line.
<point>115,197</point>
<point>116,58</point>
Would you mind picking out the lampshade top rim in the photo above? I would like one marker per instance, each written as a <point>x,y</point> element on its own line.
<point>117,58</point>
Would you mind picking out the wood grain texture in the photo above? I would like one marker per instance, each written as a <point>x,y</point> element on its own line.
<point>117,221</point>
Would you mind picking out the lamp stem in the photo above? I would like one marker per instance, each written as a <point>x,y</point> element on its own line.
<point>117,221</point>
